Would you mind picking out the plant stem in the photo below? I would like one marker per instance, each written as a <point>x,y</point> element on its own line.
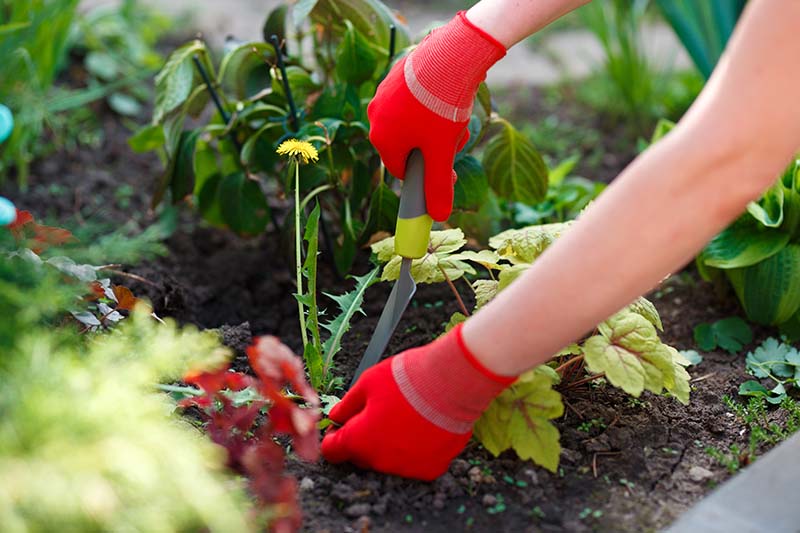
<point>191,391</point>
<point>586,380</point>
<point>455,292</point>
<point>298,246</point>
<point>574,360</point>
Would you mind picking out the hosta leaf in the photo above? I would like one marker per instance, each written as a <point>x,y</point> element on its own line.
<point>770,290</point>
<point>768,210</point>
<point>526,244</point>
<point>519,418</point>
<point>355,59</point>
<point>742,244</point>
<point>485,291</point>
<point>645,307</point>
<point>514,167</point>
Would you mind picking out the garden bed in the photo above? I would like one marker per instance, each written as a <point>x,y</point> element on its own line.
<point>627,465</point>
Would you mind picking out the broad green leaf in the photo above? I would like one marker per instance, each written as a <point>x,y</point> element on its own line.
<point>174,83</point>
<point>730,334</point>
<point>472,185</point>
<point>627,343</point>
<point>486,258</point>
<point>300,82</point>
<point>182,181</point>
<point>769,291</point>
<point>645,307</point>
<point>519,418</point>
<point>772,357</point>
<point>245,70</point>
<point>556,175</point>
<point>348,305</point>
<point>756,389</point>
<point>243,206</point>
<point>526,244</point>
<point>768,210</point>
<point>276,23</point>
<point>147,138</point>
<point>485,291</point>
<point>742,244</point>
<point>514,167</point>
<point>689,358</point>
<point>383,207</point>
<point>370,17</point>
<point>208,200</point>
<point>301,10</point>
<point>356,61</point>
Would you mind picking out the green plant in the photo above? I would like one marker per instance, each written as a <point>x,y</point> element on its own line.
<point>777,361</point>
<point>761,429</point>
<point>625,349</point>
<point>759,255</point>
<point>730,334</point>
<point>119,42</point>
<point>629,80</point>
<point>702,27</point>
<point>228,164</point>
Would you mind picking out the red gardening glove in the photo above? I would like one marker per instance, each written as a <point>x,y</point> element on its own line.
<point>413,413</point>
<point>426,101</point>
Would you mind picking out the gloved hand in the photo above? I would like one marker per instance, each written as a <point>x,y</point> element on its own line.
<point>413,413</point>
<point>426,101</point>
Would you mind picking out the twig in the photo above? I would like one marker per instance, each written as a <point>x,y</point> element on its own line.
<point>705,377</point>
<point>577,413</point>
<point>586,380</point>
<point>594,461</point>
<point>455,291</point>
<point>127,275</point>
<point>568,363</point>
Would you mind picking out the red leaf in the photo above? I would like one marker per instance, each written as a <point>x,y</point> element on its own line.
<point>125,298</point>
<point>275,363</point>
<point>38,237</point>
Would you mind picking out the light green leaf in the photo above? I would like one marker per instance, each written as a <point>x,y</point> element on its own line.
<point>514,167</point>
<point>645,307</point>
<point>556,175</point>
<point>526,244</point>
<point>519,418</point>
<point>455,320</point>
<point>245,69</point>
<point>730,334</point>
<point>486,258</point>
<point>768,210</point>
<point>432,267</point>
<point>174,83</point>
<point>485,291</point>
<point>508,275</point>
<point>772,357</point>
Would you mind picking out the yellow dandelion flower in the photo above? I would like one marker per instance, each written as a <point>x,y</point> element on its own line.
<point>300,151</point>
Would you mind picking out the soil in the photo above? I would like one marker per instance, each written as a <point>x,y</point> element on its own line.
<point>639,466</point>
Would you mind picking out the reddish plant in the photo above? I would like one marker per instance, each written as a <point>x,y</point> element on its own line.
<point>35,236</point>
<point>252,450</point>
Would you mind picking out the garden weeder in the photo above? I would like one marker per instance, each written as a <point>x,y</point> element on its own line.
<point>412,234</point>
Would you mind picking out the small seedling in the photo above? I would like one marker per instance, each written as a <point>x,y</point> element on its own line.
<point>588,512</point>
<point>729,334</point>
<point>587,425</point>
<point>537,512</point>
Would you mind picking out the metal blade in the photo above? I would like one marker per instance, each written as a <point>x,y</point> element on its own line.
<point>402,292</point>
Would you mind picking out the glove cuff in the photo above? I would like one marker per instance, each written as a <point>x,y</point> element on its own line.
<point>446,384</point>
<point>444,71</point>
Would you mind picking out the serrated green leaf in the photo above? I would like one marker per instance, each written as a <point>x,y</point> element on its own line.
<point>526,244</point>
<point>514,167</point>
<point>519,418</point>
<point>485,291</point>
<point>312,356</point>
<point>645,307</point>
<point>432,267</point>
<point>771,357</point>
<point>349,304</point>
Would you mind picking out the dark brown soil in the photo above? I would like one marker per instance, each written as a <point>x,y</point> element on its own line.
<point>639,472</point>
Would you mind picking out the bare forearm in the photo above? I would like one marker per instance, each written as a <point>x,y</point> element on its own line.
<point>664,207</point>
<point>510,21</point>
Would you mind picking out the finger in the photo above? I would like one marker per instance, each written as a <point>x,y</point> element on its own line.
<point>464,140</point>
<point>439,183</point>
<point>335,446</point>
<point>352,403</point>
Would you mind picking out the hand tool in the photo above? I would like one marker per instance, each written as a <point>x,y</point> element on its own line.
<point>411,238</point>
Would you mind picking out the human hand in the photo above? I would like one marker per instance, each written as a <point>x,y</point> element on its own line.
<point>412,414</point>
<point>426,101</point>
